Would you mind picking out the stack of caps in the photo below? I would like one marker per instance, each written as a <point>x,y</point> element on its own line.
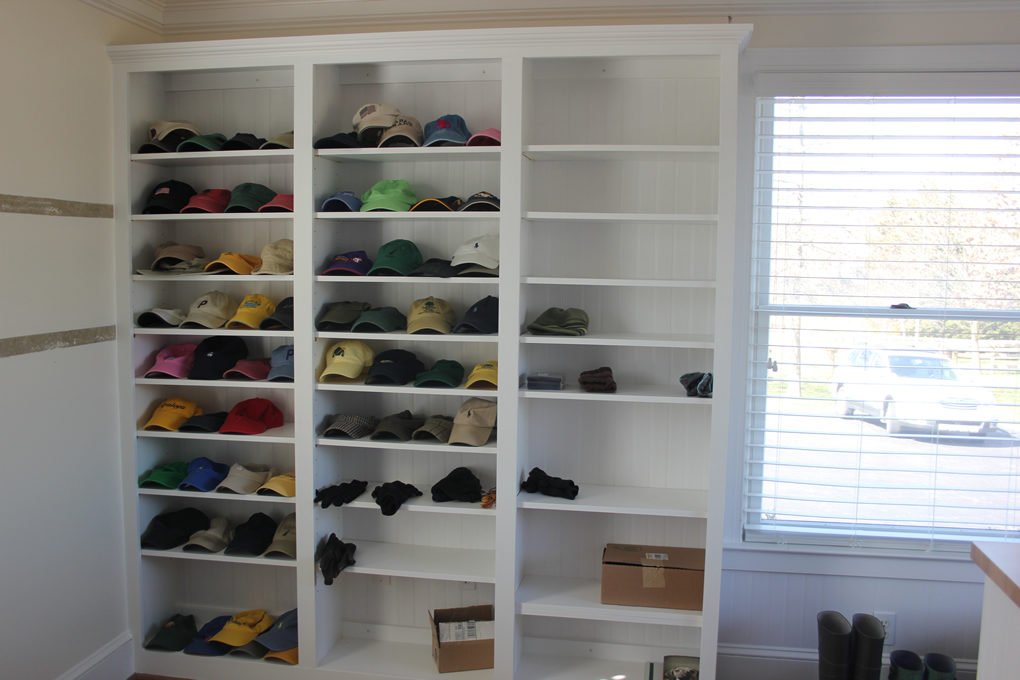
<point>597,380</point>
<point>173,196</point>
<point>396,195</point>
<point>251,416</point>
<point>384,125</point>
<point>217,309</point>
<point>182,136</point>
<point>557,321</point>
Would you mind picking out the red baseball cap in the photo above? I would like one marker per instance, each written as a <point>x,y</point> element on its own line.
<point>279,203</point>
<point>252,416</point>
<point>208,201</point>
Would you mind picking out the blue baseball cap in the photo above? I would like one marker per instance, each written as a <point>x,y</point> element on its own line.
<point>283,635</point>
<point>202,646</point>
<point>355,262</point>
<point>203,475</point>
<point>281,364</point>
<point>344,201</point>
<point>448,130</point>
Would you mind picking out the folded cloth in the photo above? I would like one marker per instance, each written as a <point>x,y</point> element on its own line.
<point>460,485</point>
<point>339,494</point>
<point>391,495</point>
<point>597,380</point>
<point>539,482</point>
<point>544,381</point>
<point>334,556</point>
<point>557,321</point>
<point>697,384</point>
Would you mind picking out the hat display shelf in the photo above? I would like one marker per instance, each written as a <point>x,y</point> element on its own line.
<point>615,179</point>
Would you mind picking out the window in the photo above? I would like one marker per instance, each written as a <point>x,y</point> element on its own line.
<point>883,403</point>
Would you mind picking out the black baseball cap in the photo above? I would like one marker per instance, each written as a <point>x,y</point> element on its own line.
<point>168,197</point>
<point>206,422</point>
<point>481,317</point>
<point>171,529</point>
<point>216,355</point>
<point>394,367</point>
<point>243,141</point>
<point>436,266</point>
<point>253,536</point>
<point>341,140</point>
<point>282,319</point>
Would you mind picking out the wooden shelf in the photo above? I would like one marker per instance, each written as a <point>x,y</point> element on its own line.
<point>536,216</point>
<point>424,446</point>
<point>216,157</point>
<point>214,495</point>
<point>427,153</point>
<point>277,435</point>
<point>421,280</point>
<point>182,382</point>
<point>212,217</point>
<point>422,503</point>
<point>615,152</point>
<point>422,216</point>
<point>180,554</point>
<point>653,394</point>
<point>409,388</point>
<point>247,332</point>
<point>624,283</point>
<point>675,340</point>
<point>623,500</point>
<point>217,278</point>
<point>386,659</point>
<point>417,337</point>
<point>559,667</point>
<point>420,561</point>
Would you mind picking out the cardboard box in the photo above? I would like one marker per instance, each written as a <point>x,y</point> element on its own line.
<point>653,576</point>
<point>463,655</point>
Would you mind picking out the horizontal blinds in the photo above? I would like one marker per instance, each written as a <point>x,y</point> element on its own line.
<point>883,401</point>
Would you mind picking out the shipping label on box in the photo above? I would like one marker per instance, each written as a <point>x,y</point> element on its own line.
<point>467,626</point>
<point>653,576</point>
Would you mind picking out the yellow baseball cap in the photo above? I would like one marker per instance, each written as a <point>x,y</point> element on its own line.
<point>243,627</point>
<point>236,263</point>
<point>287,656</point>
<point>171,414</point>
<point>483,376</point>
<point>347,359</point>
<point>280,485</point>
<point>430,315</point>
<point>253,310</point>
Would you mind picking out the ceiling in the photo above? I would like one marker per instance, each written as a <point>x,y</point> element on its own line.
<point>177,17</point>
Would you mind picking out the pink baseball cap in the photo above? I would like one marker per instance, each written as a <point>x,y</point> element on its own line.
<point>173,361</point>
<point>208,201</point>
<point>279,203</point>
<point>250,369</point>
<point>487,137</point>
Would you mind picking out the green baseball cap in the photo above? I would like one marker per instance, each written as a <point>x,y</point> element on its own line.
<point>399,256</point>
<point>380,320</point>
<point>389,194</point>
<point>210,142</point>
<point>557,321</point>
<point>249,197</point>
<point>168,476</point>
<point>444,373</point>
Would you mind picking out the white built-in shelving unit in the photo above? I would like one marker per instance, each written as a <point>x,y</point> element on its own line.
<point>616,177</point>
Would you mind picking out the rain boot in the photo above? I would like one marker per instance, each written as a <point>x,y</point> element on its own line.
<point>868,638</point>
<point>834,639</point>
<point>939,667</point>
<point>905,665</point>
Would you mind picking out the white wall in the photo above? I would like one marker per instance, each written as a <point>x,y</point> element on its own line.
<point>62,571</point>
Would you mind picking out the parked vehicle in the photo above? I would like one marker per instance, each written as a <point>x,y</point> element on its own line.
<point>911,388</point>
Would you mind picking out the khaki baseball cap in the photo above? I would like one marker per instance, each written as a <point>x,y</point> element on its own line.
<point>347,359</point>
<point>214,539</point>
<point>244,478</point>
<point>277,258</point>
<point>285,539</point>
<point>405,131</point>
<point>210,310</point>
<point>371,119</point>
<point>474,422</point>
<point>430,315</point>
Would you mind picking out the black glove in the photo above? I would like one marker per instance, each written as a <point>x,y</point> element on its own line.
<point>539,482</point>
<point>339,494</point>
<point>391,495</point>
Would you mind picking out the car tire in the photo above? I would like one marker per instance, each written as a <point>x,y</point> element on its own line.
<point>892,425</point>
<point>843,407</point>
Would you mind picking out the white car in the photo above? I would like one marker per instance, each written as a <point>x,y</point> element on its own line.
<point>911,388</point>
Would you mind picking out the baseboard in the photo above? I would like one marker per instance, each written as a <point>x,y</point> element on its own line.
<point>737,662</point>
<point>112,661</point>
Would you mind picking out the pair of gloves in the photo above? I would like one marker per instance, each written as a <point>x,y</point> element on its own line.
<point>334,557</point>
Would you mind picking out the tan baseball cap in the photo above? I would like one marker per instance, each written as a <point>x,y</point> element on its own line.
<point>210,310</point>
<point>244,478</point>
<point>277,258</point>
<point>285,539</point>
<point>430,315</point>
<point>371,119</point>
<point>214,539</point>
<point>347,359</point>
<point>474,422</point>
<point>405,131</point>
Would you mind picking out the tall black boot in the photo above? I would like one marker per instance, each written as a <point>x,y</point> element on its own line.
<point>869,636</point>
<point>834,646</point>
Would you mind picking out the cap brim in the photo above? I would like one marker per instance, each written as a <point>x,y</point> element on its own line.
<point>204,319</point>
<point>343,369</point>
<point>472,435</point>
<point>287,656</point>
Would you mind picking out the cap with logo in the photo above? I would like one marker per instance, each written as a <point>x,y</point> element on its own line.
<point>244,479</point>
<point>474,422</point>
<point>343,201</point>
<point>243,141</point>
<point>430,315</point>
<point>435,427</point>
<point>339,316</point>
<point>208,201</point>
<point>172,361</point>
<point>249,197</point>
<point>200,644</point>
<point>486,137</point>
<point>347,359</point>
<point>210,310</point>
<point>483,201</point>
<point>284,542</point>
<point>253,310</point>
<point>444,373</point>
<point>168,197</point>
<point>355,262</point>
<point>243,627</point>
<point>281,364</point>
<point>204,422</point>
<point>483,250</point>
<point>158,317</point>
<point>282,318</point>
<point>211,540</point>
<point>216,355</point>
<point>277,258</point>
<point>233,263</point>
<point>370,120</point>
<point>176,257</point>
<point>559,321</point>
<point>380,320</point>
<point>483,376</point>
<point>166,476</point>
<point>284,140</point>
<point>394,195</point>
<point>166,135</point>
<point>448,130</point>
<point>481,317</point>
<point>394,367</point>
<point>203,475</point>
<point>279,485</point>
<point>397,257</point>
<point>252,537</point>
<point>248,369</point>
<point>174,635</point>
<point>284,633</point>
<point>447,204</point>
<point>279,203</point>
<point>170,529</point>
<point>398,426</point>
<point>252,416</point>
<point>405,131</point>
<point>355,427</point>
<point>213,141</point>
<point>341,140</point>
<point>171,414</point>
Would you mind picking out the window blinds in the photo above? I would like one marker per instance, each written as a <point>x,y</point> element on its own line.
<point>883,402</point>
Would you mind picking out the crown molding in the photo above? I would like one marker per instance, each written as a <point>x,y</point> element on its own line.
<point>175,17</point>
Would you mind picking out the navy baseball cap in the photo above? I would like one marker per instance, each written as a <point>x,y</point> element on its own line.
<point>216,355</point>
<point>171,529</point>
<point>168,197</point>
<point>252,537</point>
<point>202,645</point>
<point>284,633</point>
<point>394,367</point>
<point>482,317</point>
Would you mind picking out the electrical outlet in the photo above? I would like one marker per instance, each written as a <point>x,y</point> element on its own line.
<point>888,620</point>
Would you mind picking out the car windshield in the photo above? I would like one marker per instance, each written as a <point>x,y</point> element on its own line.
<point>931,368</point>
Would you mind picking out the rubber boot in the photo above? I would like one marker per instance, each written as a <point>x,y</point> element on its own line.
<point>834,652</point>
<point>939,667</point>
<point>869,636</point>
<point>905,665</point>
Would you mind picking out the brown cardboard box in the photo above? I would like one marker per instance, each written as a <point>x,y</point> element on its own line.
<point>653,576</point>
<point>463,655</point>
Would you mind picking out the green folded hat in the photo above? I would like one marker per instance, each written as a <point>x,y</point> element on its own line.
<point>399,256</point>
<point>210,142</point>
<point>249,197</point>
<point>389,194</point>
<point>557,321</point>
<point>168,475</point>
<point>444,373</point>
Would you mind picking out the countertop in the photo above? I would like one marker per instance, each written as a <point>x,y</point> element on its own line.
<point>1001,563</point>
